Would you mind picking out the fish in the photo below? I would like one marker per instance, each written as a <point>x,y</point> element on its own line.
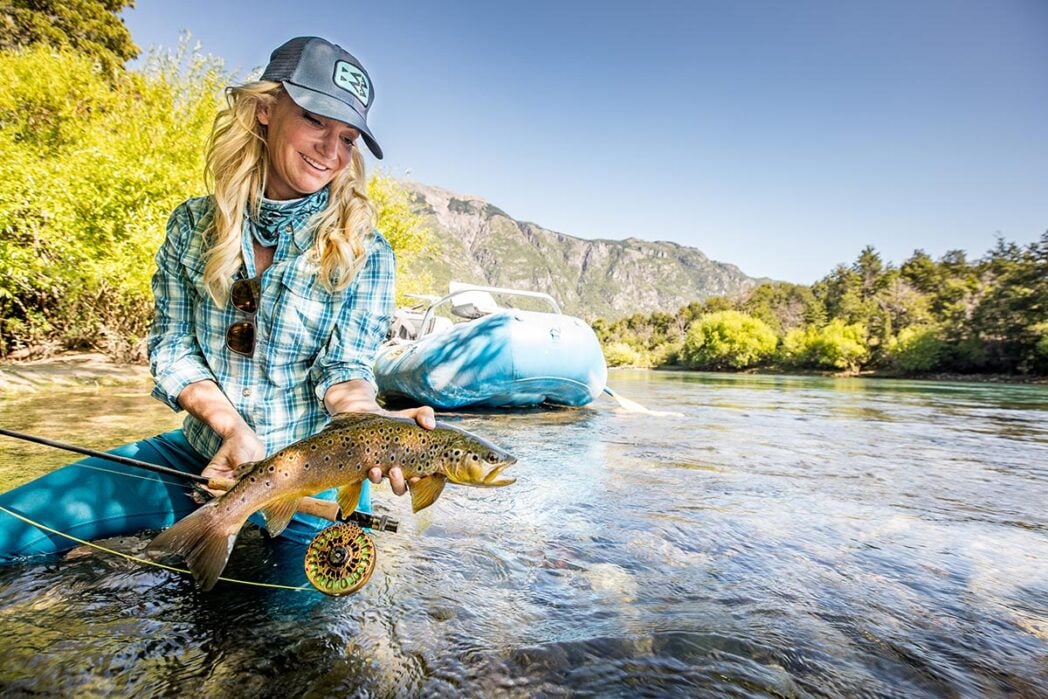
<point>339,456</point>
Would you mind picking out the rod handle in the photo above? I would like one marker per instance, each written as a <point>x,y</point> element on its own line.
<point>325,509</point>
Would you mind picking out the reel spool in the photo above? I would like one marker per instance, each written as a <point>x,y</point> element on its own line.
<point>340,559</point>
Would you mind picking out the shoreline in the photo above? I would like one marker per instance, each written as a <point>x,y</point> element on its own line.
<point>87,368</point>
<point>69,369</point>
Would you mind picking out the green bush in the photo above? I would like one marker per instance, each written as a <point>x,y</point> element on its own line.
<point>91,165</point>
<point>840,346</point>
<point>727,340</point>
<point>835,346</point>
<point>621,354</point>
<point>918,348</point>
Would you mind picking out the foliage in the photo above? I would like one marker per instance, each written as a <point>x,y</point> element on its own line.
<point>918,349</point>
<point>727,340</point>
<point>92,28</point>
<point>951,314</point>
<point>90,168</point>
<point>406,231</point>
<point>621,354</point>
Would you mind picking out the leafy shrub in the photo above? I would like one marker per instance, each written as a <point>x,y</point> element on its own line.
<point>727,340</point>
<point>840,346</point>
<point>621,354</point>
<point>918,348</point>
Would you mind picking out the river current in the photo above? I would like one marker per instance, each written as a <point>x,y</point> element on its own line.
<point>774,536</point>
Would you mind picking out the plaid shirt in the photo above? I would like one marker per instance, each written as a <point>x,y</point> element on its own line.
<point>307,339</point>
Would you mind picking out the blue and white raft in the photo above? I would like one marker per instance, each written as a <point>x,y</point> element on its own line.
<point>464,350</point>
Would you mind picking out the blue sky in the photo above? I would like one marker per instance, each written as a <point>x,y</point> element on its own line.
<point>781,136</point>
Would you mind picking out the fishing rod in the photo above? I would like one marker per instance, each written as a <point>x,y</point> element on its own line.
<point>324,509</point>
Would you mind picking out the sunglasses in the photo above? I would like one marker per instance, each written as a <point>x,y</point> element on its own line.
<point>244,295</point>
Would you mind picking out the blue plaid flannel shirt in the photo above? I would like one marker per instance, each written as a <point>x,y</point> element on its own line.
<point>307,339</point>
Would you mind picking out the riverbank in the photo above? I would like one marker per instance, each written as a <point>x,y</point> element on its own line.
<point>69,369</point>
<point>876,374</point>
<point>95,368</point>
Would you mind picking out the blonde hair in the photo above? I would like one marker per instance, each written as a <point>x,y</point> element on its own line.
<point>236,172</point>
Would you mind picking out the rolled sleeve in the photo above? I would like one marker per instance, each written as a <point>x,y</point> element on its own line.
<point>175,359</point>
<point>362,322</point>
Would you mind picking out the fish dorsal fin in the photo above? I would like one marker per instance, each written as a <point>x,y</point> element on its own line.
<point>348,497</point>
<point>279,513</point>
<point>425,492</point>
<point>340,420</point>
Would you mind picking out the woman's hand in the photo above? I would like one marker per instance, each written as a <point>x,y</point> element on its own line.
<point>425,418</point>
<point>239,447</point>
<point>359,396</point>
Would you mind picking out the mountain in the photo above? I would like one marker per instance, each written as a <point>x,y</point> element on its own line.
<point>476,242</point>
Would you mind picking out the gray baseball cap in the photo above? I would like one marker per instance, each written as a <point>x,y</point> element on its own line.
<point>327,80</point>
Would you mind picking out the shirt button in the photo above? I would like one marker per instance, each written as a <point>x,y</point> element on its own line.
<point>290,228</point>
<point>247,391</point>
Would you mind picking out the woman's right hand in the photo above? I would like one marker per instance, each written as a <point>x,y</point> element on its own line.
<point>239,447</point>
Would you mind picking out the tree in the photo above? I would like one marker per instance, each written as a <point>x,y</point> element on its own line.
<point>92,27</point>
<point>90,169</point>
<point>727,340</point>
<point>405,229</point>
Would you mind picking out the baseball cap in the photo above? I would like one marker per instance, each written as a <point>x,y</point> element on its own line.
<point>325,79</point>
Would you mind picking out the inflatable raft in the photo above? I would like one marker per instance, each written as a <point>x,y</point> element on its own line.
<point>465,350</point>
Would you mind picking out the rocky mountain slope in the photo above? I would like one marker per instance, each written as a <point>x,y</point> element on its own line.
<point>476,242</point>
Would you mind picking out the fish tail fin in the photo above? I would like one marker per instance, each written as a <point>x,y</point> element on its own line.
<point>203,539</point>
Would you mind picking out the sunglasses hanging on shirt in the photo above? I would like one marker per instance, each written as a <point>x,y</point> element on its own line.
<point>244,295</point>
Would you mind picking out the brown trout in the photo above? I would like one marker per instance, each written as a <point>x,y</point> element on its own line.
<point>339,456</point>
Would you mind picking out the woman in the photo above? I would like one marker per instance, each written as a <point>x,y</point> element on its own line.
<point>272,296</point>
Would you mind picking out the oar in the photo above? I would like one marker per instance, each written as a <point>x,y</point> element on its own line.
<point>325,509</point>
<point>635,407</point>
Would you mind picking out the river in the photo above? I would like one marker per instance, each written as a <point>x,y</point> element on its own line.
<point>778,536</point>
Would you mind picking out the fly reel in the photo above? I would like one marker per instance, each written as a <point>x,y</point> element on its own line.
<point>340,559</point>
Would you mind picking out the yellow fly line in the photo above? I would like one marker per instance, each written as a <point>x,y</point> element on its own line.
<point>146,561</point>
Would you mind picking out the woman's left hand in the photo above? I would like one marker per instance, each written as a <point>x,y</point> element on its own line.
<point>358,395</point>
<point>426,418</point>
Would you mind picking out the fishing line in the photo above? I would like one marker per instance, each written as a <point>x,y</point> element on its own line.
<point>179,484</point>
<point>146,561</point>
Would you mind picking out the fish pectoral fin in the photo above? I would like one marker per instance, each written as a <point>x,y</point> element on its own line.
<point>348,497</point>
<point>426,491</point>
<point>279,513</point>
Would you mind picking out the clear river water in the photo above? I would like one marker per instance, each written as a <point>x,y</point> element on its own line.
<point>776,537</point>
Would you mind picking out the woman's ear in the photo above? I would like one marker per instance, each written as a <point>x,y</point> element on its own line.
<point>262,113</point>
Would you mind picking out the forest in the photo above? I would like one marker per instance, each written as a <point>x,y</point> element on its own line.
<point>951,315</point>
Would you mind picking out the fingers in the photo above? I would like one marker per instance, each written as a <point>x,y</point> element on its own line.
<point>425,417</point>
<point>396,479</point>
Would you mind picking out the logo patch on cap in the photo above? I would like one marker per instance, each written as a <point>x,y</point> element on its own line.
<point>352,79</point>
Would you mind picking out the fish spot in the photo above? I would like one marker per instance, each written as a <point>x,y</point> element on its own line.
<point>271,469</point>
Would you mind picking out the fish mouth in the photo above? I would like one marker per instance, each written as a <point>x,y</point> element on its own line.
<point>493,479</point>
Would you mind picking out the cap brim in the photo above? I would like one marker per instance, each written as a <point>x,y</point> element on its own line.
<point>326,106</point>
